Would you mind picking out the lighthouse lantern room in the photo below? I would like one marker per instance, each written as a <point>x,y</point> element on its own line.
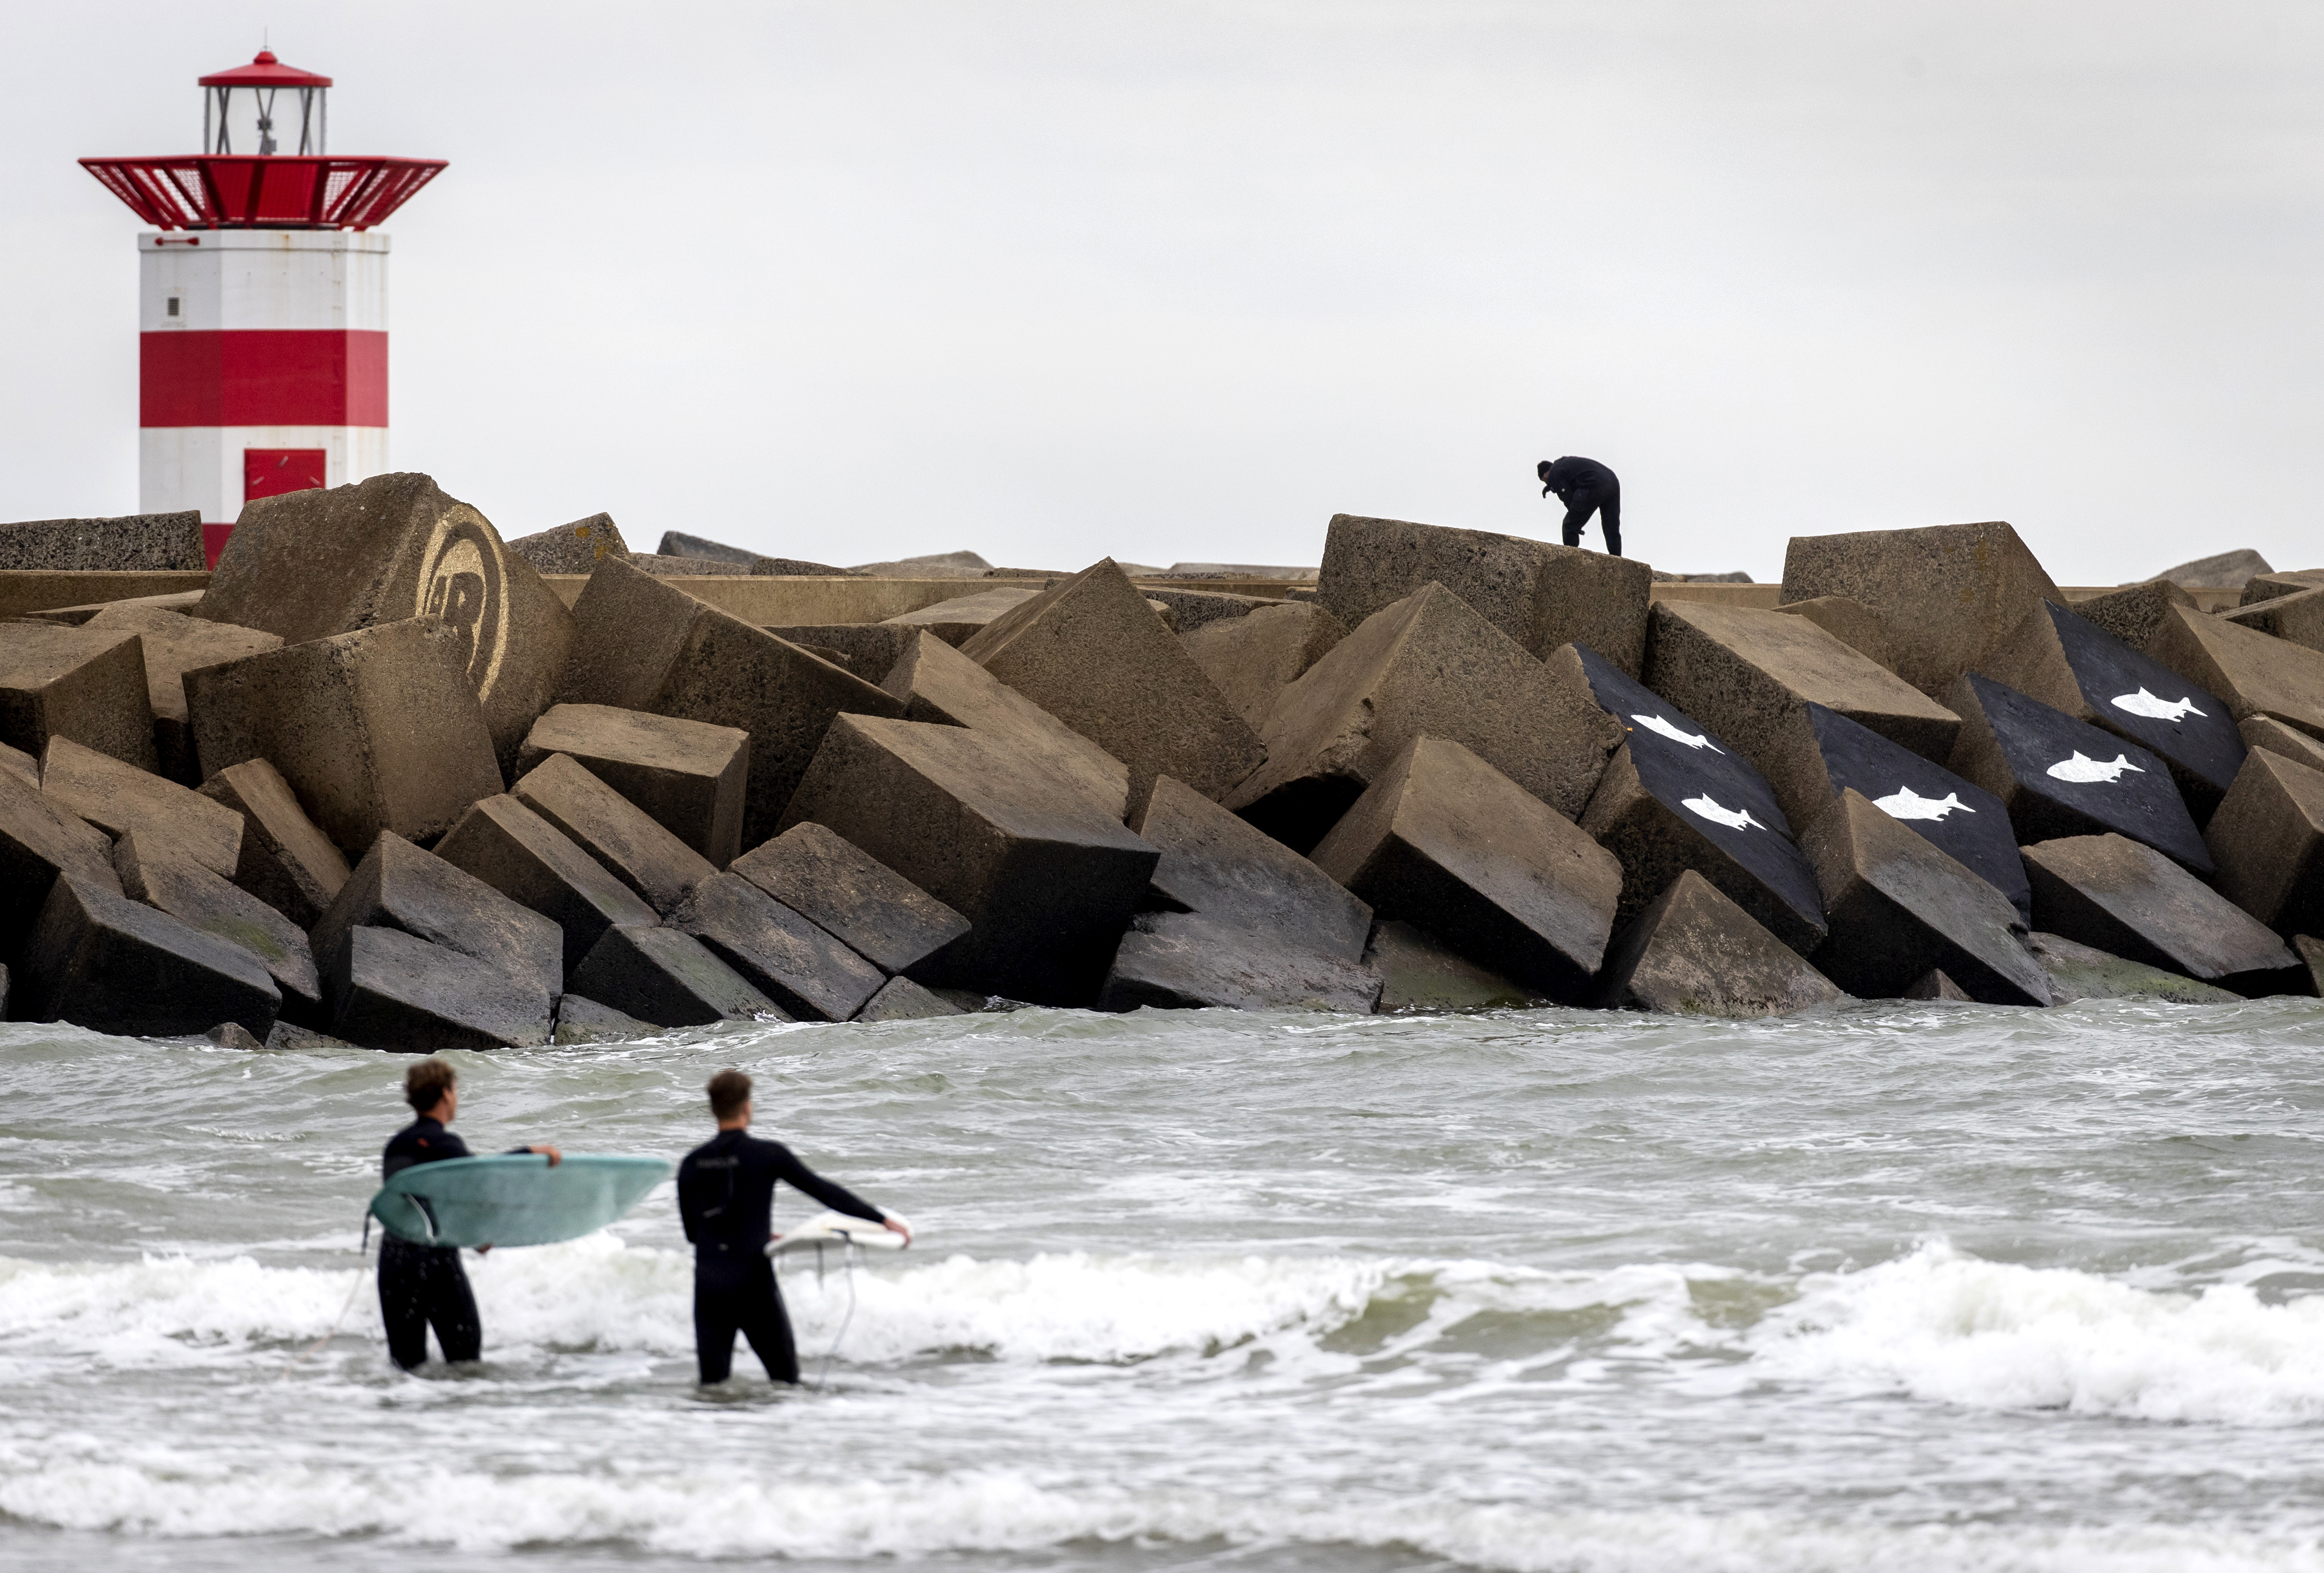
<point>262,299</point>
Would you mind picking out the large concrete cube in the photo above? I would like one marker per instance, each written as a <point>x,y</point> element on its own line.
<point>2268,841</point>
<point>395,991</point>
<point>2255,674</point>
<point>1852,623</point>
<point>790,960</point>
<point>130,544</point>
<point>633,846</point>
<point>1187,961</point>
<point>882,916</point>
<point>286,860</point>
<point>309,565</point>
<point>1444,841</point>
<point>1219,866</point>
<point>1419,972</point>
<point>171,883</point>
<point>2267,732</point>
<point>2083,972</point>
<point>939,685</point>
<point>375,730</point>
<point>901,999</point>
<point>1540,595</point>
<point>1429,665</point>
<point>1091,651</point>
<point>175,645</point>
<point>2299,618</point>
<point>2134,614</point>
<point>2130,901</point>
<point>38,842</point>
<point>399,886</point>
<point>520,854</point>
<point>963,617</point>
<point>688,776</point>
<point>669,977</point>
<point>575,548</point>
<point>1044,878</point>
<point>869,650</point>
<point>117,798</point>
<point>1695,953</point>
<point>73,683</point>
<point>99,960</point>
<point>2267,587</point>
<point>1948,594</point>
<point>1253,659</point>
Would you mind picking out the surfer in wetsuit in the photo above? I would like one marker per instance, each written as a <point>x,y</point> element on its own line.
<point>725,1194</point>
<point>424,1286</point>
<point>1585,487</point>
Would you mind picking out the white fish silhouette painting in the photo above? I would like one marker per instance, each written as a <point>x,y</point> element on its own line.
<point>1691,739</point>
<point>2083,768</point>
<point>2143,703</point>
<point>1708,807</point>
<point>1905,803</point>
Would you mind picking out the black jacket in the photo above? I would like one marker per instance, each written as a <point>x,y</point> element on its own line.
<point>423,1141</point>
<point>726,1189</point>
<point>1572,478</point>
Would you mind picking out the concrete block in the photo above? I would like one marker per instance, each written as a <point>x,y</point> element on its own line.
<point>4,991</point>
<point>2079,669</point>
<point>1693,952</point>
<point>879,913</point>
<point>2266,587</point>
<point>173,644</point>
<point>629,843</point>
<point>1252,659</point>
<point>689,776</point>
<point>151,872</point>
<point>1187,961</point>
<point>395,991</point>
<point>288,1036</point>
<point>286,860</point>
<point>1947,594</point>
<point>1540,595</point>
<point>516,851</point>
<point>1444,841</point>
<point>678,543</point>
<point>233,1035</point>
<point>1852,623</point>
<point>398,887</point>
<point>669,977</point>
<point>661,565</point>
<point>2224,571</point>
<point>1092,653</point>
<point>1046,879</point>
<point>938,685</point>
<point>1332,732</point>
<point>99,960</point>
<point>2267,732</point>
<point>575,548</point>
<point>1419,972</point>
<point>1192,609</point>
<point>2268,841</point>
<point>790,960</point>
<point>375,730</point>
<point>132,543</point>
<point>2310,951</point>
<point>901,999</point>
<point>2299,618</point>
<point>1898,907</point>
<point>1676,797</point>
<point>21,767</point>
<point>309,565</point>
<point>72,682</point>
<point>1936,986</point>
<point>117,798</point>
<point>2134,613</point>
<point>1753,675</point>
<point>1220,867</point>
<point>648,645</point>
<point>869,650</point>
<point>38,842</point>
<point>966,565</point>
<point>2254,674</point>
<point>2058,776</point>
<point>2083,972</point>
<point>2130,901</point>
<point>584,1020</point>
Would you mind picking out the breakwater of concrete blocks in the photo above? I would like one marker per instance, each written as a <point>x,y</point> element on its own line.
<point>386,777</point>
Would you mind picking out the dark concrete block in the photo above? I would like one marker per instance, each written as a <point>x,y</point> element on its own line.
<point>2223,570</point>
<point>933,565</point>
<point>1936,986</point>
<point>678,543</point>
<point>792,961</point>
<point>647,645</point>
<point>2310,952</point>
<point>2268,841</point>
<point>1185,961</point>
<point>2080,669</point>
<point>584,1020</point>
<point>2298,618</point>
<point>520,854</point>
<point>1253,659</point>
<point>375,730</point>
<point>78,617</point>
<point>99,960</point>
<point>575,548</point>
<point>632,846</point>
<point>118,798</point>
<point>2082,972</point>
<point>132,543</point>
<point>963,617</point>
<point>2256,675</point>
<point>20,766</point>
<point>1676,797</point>
<point>175,645</point>
<point>1541,595</point>
<point>2130,901</point>
<point>1390,681</point>
<point>1443,840</point>
<point>2058,776</point>
<point>669,977</point>
<point>1947,594</point>
<point>310,565</point>
<point>399,886</point>
<point>288,1036</point>
<point>1898,907</point>
<point>901,999</point>
<point>152,872</point>
<point>1219,866</point>
<point>395,991</point>
<point>940,686</point>
<point>1044,878</point>
<point>661,565</point>
<point>1192,609</point>
<point>881,915</point>
<point>689,776</point>
<point>1419,972</point>
<point>869,650</point>
<point>38,842</point>
<point>2134,614</point>
<point>2267,732</point>
<point>233,1035</point>
<point>4,992</point>
<point>1091,651</point>
<point>1852,623</point>
<point>1695,953</point>
<point>286,860</point>
<point>1753,675</point>
<point>2267,587</point>
<point>72,682</point>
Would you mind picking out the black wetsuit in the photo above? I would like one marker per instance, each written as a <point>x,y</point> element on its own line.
<point>726,1197</point>
<point>421,1286</point>
<point>1586,486</point>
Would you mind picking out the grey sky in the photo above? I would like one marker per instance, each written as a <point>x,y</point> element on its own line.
<point>1164,281</point>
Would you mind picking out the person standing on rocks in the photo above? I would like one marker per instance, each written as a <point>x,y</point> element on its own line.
<point>424,1286</point>
<point>1585,487</point>
<point>726,1196</point>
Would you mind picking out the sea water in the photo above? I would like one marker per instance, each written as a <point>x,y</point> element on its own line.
<point>1899,1287</point>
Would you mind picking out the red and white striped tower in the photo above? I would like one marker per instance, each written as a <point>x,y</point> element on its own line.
<point>262,300</point>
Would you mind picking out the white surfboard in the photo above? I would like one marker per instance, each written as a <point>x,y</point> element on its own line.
<point>836,1229</point>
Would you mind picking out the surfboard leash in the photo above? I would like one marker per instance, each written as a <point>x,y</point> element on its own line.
<point>347,1305</point>
<point>823,1376</point>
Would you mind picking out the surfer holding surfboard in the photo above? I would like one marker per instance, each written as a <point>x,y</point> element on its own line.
<point>725,1194</point>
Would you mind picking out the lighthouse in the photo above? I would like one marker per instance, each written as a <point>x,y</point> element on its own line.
<point>262,299</point>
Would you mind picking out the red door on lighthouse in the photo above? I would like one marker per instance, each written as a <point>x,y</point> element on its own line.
<point>269,472</point>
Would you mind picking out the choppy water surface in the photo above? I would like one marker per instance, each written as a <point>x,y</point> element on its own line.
<point>1901,1287</point>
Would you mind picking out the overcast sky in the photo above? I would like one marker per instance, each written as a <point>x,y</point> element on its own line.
<point>1171,280</point>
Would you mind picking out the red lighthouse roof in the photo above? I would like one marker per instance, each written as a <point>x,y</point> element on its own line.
<point>265,72</point>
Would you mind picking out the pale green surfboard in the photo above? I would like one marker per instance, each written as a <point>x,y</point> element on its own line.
<point>515,1199</point>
